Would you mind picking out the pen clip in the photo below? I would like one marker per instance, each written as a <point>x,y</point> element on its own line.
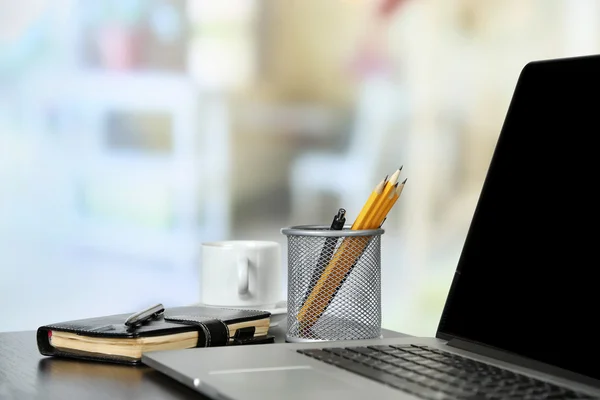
<point>139,318</point>
<point>339,219</point>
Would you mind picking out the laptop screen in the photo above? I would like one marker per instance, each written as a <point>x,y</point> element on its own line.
<point>526,280</point>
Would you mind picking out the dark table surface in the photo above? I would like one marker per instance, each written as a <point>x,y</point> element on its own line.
<point>25,374</point>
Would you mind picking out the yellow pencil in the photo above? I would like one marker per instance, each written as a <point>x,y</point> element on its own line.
<point>367,209</point>
<point>385,207</point>
<point>393,198</point>
<point>371,222</point>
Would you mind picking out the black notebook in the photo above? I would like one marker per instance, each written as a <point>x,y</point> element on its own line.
<point>108,338</point>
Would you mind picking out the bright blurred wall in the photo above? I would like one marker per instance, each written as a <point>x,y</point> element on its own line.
<point>131,131</point>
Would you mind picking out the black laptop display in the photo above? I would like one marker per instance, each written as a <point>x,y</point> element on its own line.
<point>527,279</point>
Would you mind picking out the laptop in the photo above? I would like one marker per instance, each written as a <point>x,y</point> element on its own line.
<point>519,321</point>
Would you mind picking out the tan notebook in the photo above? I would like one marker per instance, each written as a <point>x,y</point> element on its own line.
<point>109,339</point>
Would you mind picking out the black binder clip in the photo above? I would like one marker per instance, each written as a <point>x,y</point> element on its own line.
<point>243,334</point>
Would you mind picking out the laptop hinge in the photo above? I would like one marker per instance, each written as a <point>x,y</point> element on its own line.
<point>500,355</point>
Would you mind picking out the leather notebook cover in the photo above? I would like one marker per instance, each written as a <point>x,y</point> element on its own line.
<point>107,338</point>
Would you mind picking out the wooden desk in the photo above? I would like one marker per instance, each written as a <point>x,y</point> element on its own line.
<point>25,374</point>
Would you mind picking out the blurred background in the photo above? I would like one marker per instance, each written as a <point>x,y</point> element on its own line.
<point>133,130</point>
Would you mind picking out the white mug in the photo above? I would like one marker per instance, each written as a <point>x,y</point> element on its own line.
<point>241,273</point>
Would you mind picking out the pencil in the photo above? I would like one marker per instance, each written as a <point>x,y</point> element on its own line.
<point>395,198</point>
<point>367,209</point>
<point>392,200</point>
<point>371,222</point>
<point>385,207</point>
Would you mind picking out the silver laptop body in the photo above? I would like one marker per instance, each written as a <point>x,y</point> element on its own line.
<point>523,297</point>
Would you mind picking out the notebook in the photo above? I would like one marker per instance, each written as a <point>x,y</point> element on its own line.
<point>108,338</point>
<point>520,317</point>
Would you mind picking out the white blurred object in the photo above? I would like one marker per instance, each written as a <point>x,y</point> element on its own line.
<point>240,273</point>
<point>185,185</point>
<point>351,175</point>
<point>17,17</point>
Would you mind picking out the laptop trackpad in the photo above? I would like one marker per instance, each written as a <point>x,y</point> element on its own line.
<point>289,380</point>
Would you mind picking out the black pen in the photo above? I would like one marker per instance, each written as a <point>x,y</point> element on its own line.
<point>327,251</point>
<point>339,220</point>
<point>144,316</point>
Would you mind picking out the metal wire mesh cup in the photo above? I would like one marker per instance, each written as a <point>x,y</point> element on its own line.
<point>334,283</point>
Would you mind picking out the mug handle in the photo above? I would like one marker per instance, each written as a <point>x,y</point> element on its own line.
<point>243,275</point>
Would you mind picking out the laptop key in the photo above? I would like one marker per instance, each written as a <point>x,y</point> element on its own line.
<point>412,357</point>
<point>332,350</point>
<point>385,357</point>
<point>341,352</point>
<point>403,346</point>
<point>403,363</point>
<point>386,367</point>
<point>395,351</point>
<point>382,366</point>
<point>401,372</point>
<point>382,348</point>
<point>363,350</point>
<point>315,353</point>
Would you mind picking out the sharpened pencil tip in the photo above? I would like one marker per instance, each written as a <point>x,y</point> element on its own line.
<point>385,179</point>
<point>400,169</point>
<point>397,183</point>
<point>404,181</point>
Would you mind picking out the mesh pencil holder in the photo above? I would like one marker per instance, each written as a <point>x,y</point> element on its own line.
<point>334,283</point>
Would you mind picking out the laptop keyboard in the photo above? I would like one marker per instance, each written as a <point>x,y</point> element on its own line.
<point>431,373</point>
